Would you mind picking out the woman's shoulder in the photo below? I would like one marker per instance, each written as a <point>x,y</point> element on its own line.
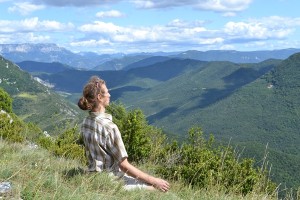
<point>105,120</point>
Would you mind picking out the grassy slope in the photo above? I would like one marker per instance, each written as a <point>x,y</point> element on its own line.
<point>34,102</point>
<point>36,174</point>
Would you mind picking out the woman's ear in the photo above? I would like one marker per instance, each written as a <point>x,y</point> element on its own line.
<point>99,97</point>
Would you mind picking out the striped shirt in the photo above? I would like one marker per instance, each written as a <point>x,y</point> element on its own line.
<point>104,146</point>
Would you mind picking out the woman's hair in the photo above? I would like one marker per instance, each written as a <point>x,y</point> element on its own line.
<point>88,101</point>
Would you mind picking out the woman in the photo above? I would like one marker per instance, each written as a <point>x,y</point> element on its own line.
<point>104,146</point>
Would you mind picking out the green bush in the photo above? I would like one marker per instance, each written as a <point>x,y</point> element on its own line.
<point>46,142</point>
<point>5,101</point>
<point>15,130</point>
<point>198,164</point>
<point>11,128</point>
<point>67,145</point>
<point>135,131</point>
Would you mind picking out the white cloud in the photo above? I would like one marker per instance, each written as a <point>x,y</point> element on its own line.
<point>31,30</point>
<point>76,3</point>
<point>180,34</point>
<point>35,38</point>
<point>213,5</point>
<point>102,27</point>
<point>90,43</point>
<point>33,25</point>
<point>273,27</point>
<point>229,14</point>
<point>246,30</point>
<point>111,13</point>
<point>24,38</point>
<point>183,23</point>
<point>24,8</point>
<point>229,6</point>
<point>224,5</point>
<point>176,32</point>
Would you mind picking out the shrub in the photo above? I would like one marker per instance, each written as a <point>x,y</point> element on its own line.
<point>11,127</point>
<point>198,164</point>
<point>46,142</point>
<point>67,145</point>
<point>135,131</point>
<point>5,101</point>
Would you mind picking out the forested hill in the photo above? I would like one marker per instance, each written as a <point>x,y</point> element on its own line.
<point>33,66</point>
<point>263,111</point>
<point>33,101</point>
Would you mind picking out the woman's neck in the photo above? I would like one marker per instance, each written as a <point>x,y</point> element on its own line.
<point>100,109</point>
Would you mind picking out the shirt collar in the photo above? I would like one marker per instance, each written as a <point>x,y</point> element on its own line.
<point>101,115</point>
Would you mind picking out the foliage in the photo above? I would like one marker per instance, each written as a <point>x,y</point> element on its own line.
<point>134,133</point>
<point>199,165</point>
<point>134,130</point>
<point>5,101</point>
<point>142,141</point>
<point>65,145</point>
<point>11,128</point>
<point>15,130</point>
<point>118,111</point>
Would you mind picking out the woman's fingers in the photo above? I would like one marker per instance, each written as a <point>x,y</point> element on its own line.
<point>163,185</point>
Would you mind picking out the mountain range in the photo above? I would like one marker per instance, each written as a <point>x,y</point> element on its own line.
<point>49,53</point>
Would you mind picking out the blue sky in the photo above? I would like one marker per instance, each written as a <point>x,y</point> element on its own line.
<point>129,26</point>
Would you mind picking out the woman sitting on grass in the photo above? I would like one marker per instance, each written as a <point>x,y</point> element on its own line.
<point>104,146</point>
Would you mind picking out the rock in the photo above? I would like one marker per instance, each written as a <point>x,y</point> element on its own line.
<point>5,188</point>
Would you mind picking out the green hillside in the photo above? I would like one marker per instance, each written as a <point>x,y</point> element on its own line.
<point>236,103</point>
<point>33,101</point>
<point>193,90</point>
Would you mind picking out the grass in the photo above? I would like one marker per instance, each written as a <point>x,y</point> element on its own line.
<point>36,174</point>
<point>28,96</point>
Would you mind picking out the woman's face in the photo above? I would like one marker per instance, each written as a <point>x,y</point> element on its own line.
<point>104,96</point>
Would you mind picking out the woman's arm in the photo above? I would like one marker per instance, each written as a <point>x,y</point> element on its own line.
<point>136,173</point>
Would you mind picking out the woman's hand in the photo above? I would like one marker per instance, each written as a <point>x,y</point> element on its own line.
<point>157,183</point>
<point>161,184</point>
